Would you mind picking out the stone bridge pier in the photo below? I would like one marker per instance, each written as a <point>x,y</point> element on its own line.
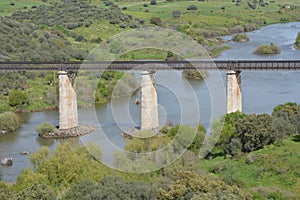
<point>68,117</point>
<point>234,92</point>
<point>149,106</point>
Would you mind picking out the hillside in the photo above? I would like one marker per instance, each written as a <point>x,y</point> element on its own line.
<point>86,23</point>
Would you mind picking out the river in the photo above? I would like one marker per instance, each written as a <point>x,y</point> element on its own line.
<point>181,101</point>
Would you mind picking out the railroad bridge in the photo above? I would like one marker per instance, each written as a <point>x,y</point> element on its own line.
<point>68,117</point>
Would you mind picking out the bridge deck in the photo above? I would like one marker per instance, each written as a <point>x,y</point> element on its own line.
<point>155,65</point>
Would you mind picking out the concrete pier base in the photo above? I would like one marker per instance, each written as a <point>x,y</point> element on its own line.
<point>234,92</point>
<point>149,107</point>
<point>68,117</point>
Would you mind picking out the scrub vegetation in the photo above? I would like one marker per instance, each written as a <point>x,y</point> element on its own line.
<point>255,157</point>
<point>297,43</point>
<point>267,49</point>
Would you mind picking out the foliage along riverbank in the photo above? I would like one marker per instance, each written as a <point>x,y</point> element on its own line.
<point>9,121</point>
<point>237,168</point>
<point>297,42</point>
<point>32,91</point>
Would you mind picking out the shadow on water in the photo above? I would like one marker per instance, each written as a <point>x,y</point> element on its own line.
<point>45,142</point>
<point>296,138</point>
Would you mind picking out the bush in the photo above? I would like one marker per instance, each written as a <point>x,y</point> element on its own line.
<point>156,20</point>
<point>80,38</point>
<point>153,2</point>
<point>108,3</point>
<point>17,98</point>
<point>240,38</point>
<point>192,7</point>
<point>267,49</point>
<point>122,26</point>
<point>256,131</point>
<point>45,128</point>
<point>37,191</point>
<point>176,13</point>
<point>9,121</point>
<point>112,187</point>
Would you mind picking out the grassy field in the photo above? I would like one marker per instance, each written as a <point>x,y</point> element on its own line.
<point>210,13</point>
<point>275,170</point>
<point>7,7</point>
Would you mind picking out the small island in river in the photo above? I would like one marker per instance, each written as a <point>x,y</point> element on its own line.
<point>242,37</point>
<point>297,42</point>
<point>267,49</point>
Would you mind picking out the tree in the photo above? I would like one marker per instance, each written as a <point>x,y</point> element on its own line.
<point>255,131</point>
<point>112,187</point>
<point>65,167</point>
<point>9,121</point>
<point>37,192</point>
<point>190,185</point>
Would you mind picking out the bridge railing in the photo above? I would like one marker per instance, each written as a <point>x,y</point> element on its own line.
<point>155,65</point>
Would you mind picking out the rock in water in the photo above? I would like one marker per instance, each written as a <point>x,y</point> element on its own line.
<point>24,153</point>
<point>7,161</point>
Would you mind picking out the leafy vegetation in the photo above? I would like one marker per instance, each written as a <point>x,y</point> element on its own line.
<point>192,186</point>
<point>39,27</point>
<point>297,42</point>
<point>17,98</point>
<point>267,49</point>
<point>28,91</point>
<point>45,128</point>
<point>112,187</point>
<point>255,154</point>
<point>242,133</point>
<point>24,41</point>
<point>259,169</point>
<point>9,121</point>
<point>242,37</point>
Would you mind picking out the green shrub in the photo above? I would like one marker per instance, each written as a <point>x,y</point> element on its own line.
<point>153,2</point>
<point>240,38</point>
<point>176,13</point>
<point>192,7</point>
<point>156,20</point>
<point>267,49</point>
<point>17,98</point>
<point>9,121</point>
<point>45,128</point>
<point>37,191</point>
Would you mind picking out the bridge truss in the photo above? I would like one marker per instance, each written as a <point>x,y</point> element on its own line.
<point>154,65</point>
